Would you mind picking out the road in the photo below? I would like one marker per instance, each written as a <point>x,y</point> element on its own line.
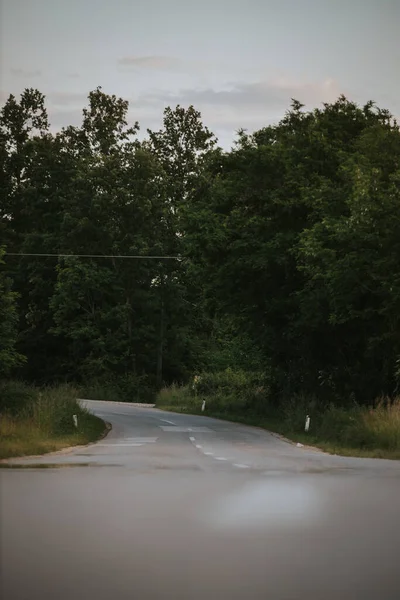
<point>181,507</point>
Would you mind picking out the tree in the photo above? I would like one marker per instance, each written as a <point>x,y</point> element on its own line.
<point>116,207</point>
<point>9,357</point>
<point>251,233</point>
<point>31,210</point>
<point>183,149</point>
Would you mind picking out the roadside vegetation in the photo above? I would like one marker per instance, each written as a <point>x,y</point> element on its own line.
<point>244,397</point>
<point>280,261</point>
<point>36,421</point>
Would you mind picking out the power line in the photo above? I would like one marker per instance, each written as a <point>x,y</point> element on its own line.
<point>93,256</point>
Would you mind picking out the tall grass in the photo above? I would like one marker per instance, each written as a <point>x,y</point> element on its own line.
<point>33,421</point>
<point>382,425</point>
<point>245,397</point>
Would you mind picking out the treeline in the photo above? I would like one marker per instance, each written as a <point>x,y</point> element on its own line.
<point>284,252</point>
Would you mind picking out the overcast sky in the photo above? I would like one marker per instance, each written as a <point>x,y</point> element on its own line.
<point>237,61</point>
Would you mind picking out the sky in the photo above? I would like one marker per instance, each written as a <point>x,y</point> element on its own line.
<point>239,62</point>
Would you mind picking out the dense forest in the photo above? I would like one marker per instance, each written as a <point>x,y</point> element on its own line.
<point>133,263</point>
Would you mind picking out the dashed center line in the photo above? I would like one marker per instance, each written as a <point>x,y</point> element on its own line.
<point>221,458</point>
<point>119,445</point>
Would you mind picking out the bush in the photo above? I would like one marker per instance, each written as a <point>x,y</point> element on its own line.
<point>354,427</point>
<point>50,409</point>
<point>295,410</point>
<point>43,421</point>
<point>16,397</point>
<point>382,425</point>
<point>54,408</point>
<point>176,396</point>
<point>233,390</point>
<point>123,388</point>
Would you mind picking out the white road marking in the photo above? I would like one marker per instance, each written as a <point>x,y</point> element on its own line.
<point>120,445</point>
<point>198,446</point>
<point>166,421</point>
<point>192,439</point>
<point>177,429</point>
<point>220,458</point>
<point>240,466</point>
<point>145,440</point>
<point>209,453</point>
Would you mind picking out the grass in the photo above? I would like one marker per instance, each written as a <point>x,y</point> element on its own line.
<point>35,422</point>
<point>356,431</point>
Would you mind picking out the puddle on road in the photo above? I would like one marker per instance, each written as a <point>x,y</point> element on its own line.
<point>266,503</point>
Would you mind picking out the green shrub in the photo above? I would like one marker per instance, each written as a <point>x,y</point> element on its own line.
<point>122,388</point>
<point>54,408</point>
<point>295,410</point>
<point>233,390</point>
<point>382,425</point>
<point>49,408</point>
<point>15,397</point>
<point>340,425</point>
<point>176,396</point>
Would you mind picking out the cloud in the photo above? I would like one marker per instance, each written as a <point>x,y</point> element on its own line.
<point>225,110</point>
<point>18,72</point>
<point>248,105</point>
<point>260,95</point>
<point>153,63</point>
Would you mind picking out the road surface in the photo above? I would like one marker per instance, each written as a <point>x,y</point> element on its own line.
<point>181,507</point>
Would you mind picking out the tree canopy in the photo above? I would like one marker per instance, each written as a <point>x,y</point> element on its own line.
<point>284,251</point>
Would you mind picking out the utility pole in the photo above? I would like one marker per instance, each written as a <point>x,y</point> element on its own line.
<point>159,372</point>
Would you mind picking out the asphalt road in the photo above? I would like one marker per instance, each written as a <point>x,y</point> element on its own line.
<point>181,507</point>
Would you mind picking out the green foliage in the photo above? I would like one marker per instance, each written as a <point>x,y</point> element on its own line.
<point>9,357</point>
<point>226,392</point>
<point>301,250</point>
<point>54,408</point>
<point>15,397</point>
<point>233,390</point>
<point>39,420</point>
<point>120,388</point>
<point>288,244</point>
<point>49,408</point>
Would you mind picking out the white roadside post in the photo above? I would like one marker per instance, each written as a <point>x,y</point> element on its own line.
<point>75,419</point>
<point>307,425</point>
<point>203,406</point>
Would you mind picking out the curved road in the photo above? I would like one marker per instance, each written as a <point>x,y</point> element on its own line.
<point>181,507</point>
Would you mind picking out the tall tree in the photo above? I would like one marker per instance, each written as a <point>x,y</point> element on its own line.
<point>9,357</point>
<point>251,225</point>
